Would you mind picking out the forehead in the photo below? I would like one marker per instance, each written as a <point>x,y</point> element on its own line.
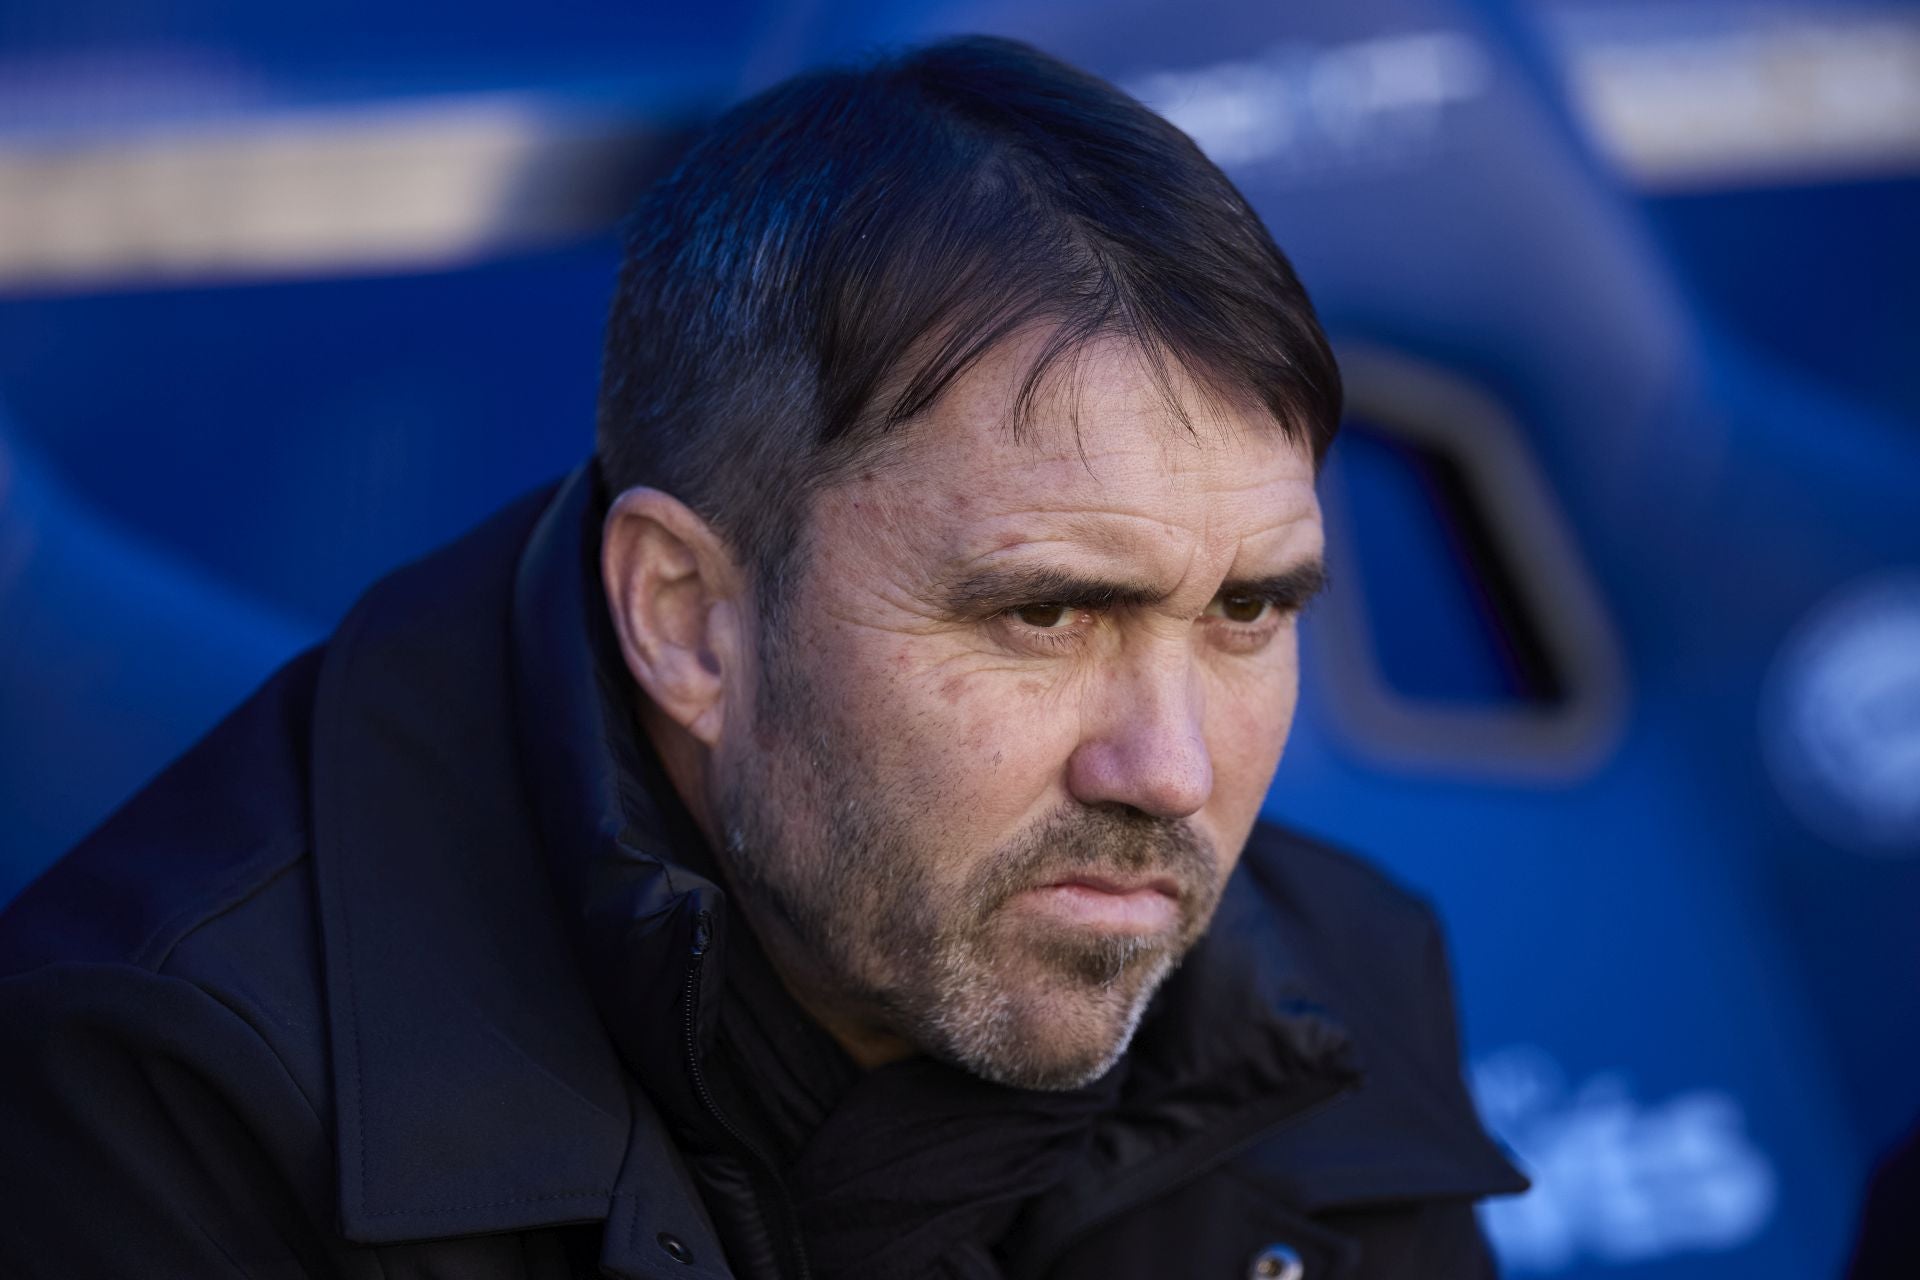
<point>1104,463</point>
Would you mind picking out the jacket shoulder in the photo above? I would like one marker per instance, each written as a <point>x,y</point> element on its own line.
<point>161,1028</point>
<point>1373,944</point>
<point>1369,947</point>
<point>204,877</point>
<point>1374,952</point>
<point>125,1088</point>
<point>215,827</point>
<point>1315,876</point>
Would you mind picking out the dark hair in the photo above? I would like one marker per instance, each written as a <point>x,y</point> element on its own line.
<point>834,252</point>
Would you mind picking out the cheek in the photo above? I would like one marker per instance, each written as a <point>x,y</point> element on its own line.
<point>1249,718</point>
<point>975,748</point>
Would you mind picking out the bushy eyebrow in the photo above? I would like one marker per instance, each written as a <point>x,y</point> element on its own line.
<point>1001,588</point>
<point>1289,590</point>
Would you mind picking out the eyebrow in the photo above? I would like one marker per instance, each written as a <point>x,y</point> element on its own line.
<point>999,589</point>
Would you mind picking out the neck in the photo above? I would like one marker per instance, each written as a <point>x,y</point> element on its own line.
<point>863,1039</point>
<point>688,766</point>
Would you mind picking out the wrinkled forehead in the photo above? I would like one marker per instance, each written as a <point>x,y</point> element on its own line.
<point>1040,391</point>
<point>1105,417</point>
<point>1106,455</point>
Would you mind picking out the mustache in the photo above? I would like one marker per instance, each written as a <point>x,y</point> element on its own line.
<point>1100,841</point>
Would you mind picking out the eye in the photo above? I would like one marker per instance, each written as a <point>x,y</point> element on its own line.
<point>1045,617</point>
<point>1241,609</point>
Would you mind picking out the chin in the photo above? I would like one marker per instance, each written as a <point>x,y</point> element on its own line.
<point>1059,1031</point>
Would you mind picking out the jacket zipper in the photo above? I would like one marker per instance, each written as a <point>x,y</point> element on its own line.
<point>702,937</point>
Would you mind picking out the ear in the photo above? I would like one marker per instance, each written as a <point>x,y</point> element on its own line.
<point>678,599</point>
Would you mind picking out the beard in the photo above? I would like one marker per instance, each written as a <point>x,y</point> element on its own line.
<point>926,942</point>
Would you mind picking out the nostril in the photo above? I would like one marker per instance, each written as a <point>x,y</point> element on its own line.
<point>1161,779</point>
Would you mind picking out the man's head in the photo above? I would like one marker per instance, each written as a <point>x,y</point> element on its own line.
<point>964,421</point>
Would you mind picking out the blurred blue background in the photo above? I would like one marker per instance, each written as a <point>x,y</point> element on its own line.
<point>1622,664</point>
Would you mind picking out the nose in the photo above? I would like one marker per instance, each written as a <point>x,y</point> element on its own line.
<point>1144,745</point>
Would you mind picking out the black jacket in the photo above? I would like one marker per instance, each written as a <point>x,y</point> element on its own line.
<point>397,974</point>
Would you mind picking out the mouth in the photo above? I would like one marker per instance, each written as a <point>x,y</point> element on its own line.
<point>1112,904</point>
<point>1119,884</point>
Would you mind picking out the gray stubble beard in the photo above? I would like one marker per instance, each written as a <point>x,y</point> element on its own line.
<point>830,855</point>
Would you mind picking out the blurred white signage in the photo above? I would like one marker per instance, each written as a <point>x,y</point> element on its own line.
<point>1617,1180</point>
<point>1311,108</point>
<point>1709,95</point>
<point>1841,719</point>
<point>230,187</point>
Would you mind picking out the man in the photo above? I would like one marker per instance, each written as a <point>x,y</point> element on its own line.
<point>819,837</point>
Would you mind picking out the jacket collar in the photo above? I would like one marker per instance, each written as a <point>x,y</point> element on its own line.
<point>476,1088</point>
<point>634,881</point>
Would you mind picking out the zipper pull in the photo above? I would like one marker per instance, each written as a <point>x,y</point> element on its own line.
<point>702,932</point>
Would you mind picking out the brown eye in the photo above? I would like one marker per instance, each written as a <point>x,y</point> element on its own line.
<point>1244,609</point>
<point>1044,617</point>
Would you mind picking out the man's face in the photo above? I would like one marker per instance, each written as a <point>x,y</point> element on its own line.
<point>1026,698</point>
